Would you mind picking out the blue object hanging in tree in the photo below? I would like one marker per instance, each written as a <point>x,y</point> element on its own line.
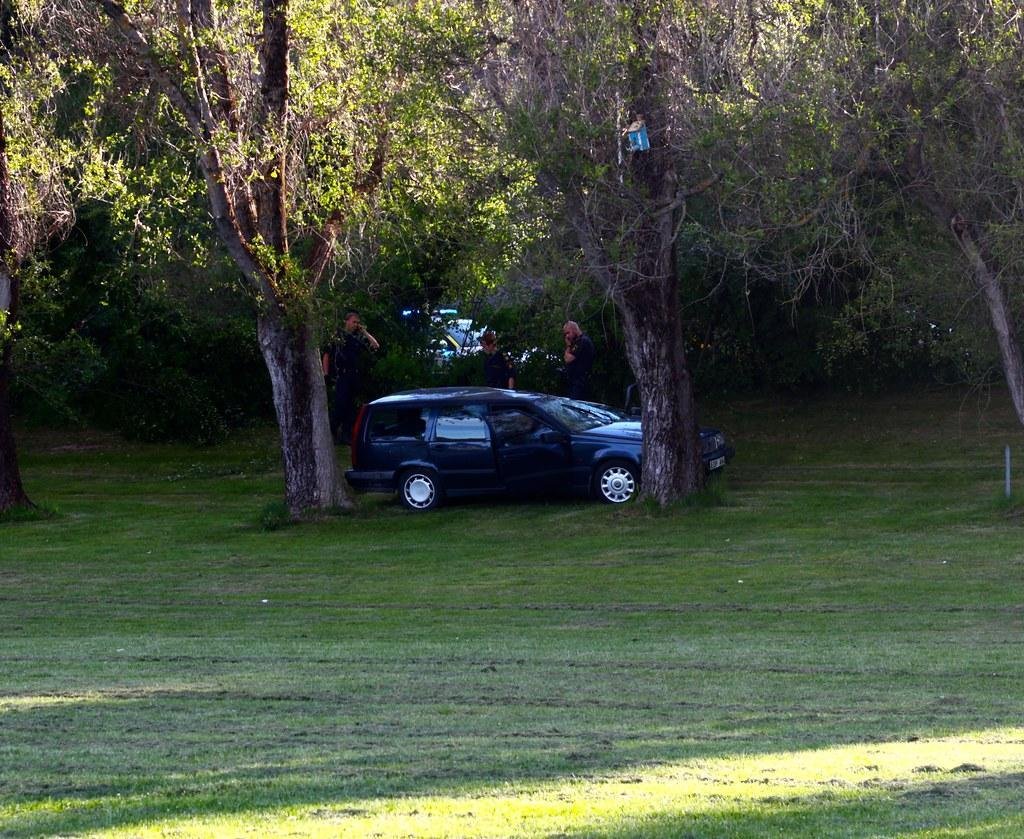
<point>636,135</point>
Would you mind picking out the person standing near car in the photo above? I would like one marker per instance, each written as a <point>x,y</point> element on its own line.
<point>498,370</point>
<point>342,361</point>
<point>579,359</point>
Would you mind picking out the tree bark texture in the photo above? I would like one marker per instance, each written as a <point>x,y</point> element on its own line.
<point>300,402</point>
<point>650,306</point>
<point>270,191</point>
<point>645,290</point>
<point>654,343</point>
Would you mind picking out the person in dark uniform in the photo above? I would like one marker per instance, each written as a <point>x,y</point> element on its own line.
<point>579,359</point>
<point>342,361</point>
<point>498,370</point>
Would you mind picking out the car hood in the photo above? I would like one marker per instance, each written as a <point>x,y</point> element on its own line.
<point>624,430</point>
<point>627,430</point>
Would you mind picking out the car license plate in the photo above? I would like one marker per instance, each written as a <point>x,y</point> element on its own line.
<point>717,463</point>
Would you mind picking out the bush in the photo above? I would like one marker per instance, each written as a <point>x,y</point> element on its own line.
<point>54,375</point>
<point>160,356</point>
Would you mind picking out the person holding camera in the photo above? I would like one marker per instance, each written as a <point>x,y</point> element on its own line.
<point>342,361</point>
<point>579,359</point>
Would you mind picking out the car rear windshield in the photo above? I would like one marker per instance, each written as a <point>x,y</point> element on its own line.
<point>580,416</point>
<point>398,424</point>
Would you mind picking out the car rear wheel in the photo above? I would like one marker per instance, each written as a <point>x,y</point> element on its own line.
<point>616,481</point>
<point>419,489</point>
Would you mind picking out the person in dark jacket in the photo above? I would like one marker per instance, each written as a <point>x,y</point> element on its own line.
<point>498,370</point>
<point>579,359</point>
<point>342,361</point>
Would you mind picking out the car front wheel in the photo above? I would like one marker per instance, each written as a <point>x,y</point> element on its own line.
<point>419,489</point>
<point>616,482</point>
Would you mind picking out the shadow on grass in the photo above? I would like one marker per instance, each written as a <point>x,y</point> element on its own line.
<point>714,494</point>
<point>17,515</point>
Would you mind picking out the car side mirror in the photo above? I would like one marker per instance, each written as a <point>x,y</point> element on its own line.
<point>552,437</point>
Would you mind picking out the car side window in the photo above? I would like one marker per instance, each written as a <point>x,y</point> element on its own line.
<point>398,424</point>
<point>512,426</point>
<point>461,423</point>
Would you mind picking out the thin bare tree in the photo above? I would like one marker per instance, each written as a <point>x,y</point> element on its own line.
<point>930,101</point>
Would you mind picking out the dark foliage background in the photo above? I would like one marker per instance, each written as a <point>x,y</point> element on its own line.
<point>139,351</point>
<point>166,349</point>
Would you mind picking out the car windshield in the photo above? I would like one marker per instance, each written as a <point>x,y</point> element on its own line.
<point>580,416</point>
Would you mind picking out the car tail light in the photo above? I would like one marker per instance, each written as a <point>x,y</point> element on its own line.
<point>357,433</point>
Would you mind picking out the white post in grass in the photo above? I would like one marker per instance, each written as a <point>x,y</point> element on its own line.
<point>1007,471</point>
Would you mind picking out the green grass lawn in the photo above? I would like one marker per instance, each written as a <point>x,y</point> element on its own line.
<point>837,650</point>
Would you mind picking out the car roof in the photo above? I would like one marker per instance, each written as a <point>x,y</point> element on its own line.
<point>441,395</point>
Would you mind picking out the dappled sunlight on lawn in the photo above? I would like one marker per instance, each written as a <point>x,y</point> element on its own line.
<point>12,704</point>
<point>745,795</point>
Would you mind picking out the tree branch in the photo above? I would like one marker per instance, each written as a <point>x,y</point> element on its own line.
<point>219,111</point>
<point>151,61</point>
<point>273,57</point>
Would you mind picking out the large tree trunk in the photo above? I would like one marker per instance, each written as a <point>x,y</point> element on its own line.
<point>645,291</point>
<point>647,296</point>
<point>671,447</point>
<point>300,400</point>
